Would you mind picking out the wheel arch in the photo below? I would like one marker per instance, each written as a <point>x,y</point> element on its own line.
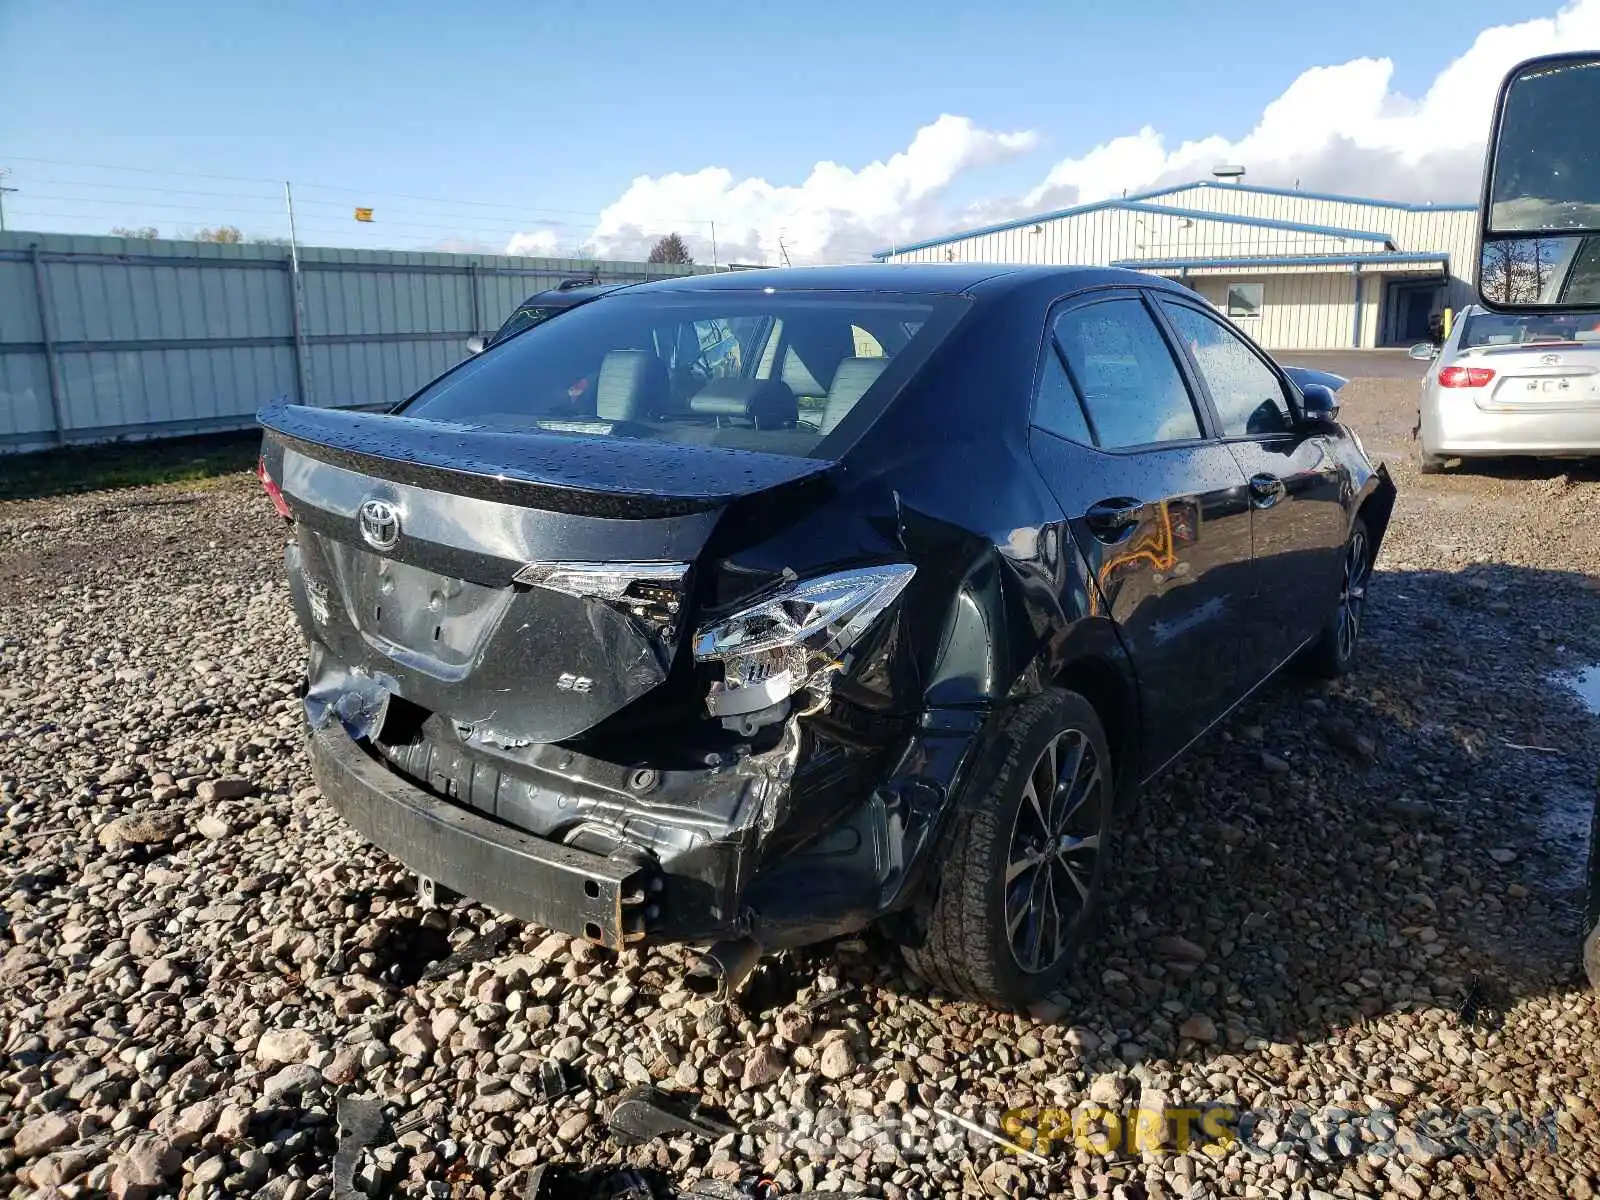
<point>1377,506</point>
<point>1106,681</point>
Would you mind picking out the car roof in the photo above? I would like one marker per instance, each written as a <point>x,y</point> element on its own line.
<point>948,278</point>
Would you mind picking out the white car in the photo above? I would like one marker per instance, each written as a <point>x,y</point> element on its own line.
<point>1506,385</point>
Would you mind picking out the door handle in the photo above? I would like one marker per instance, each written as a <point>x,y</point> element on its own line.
<point>1112,520</point>
<point>1265,490</point>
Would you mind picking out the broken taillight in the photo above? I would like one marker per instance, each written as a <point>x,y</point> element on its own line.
<point>792,640</point>
<point>1455,377</point>
<point>274,492</point>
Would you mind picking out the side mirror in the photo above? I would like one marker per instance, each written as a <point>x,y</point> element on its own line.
<point>476,343</point>
<point>1321,405</point>
<point>1426,351</point>
<point>1539,223</point>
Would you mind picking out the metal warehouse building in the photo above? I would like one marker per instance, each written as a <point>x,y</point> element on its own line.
<point>1298,270</point>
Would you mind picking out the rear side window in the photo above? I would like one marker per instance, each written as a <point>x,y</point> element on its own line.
<point>749,370</point>
<point>1126,375</point>
<point>1056,407</point>
<point>1248,395</point>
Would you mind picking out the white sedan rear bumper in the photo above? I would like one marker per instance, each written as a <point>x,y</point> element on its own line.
<point>1454,425</point>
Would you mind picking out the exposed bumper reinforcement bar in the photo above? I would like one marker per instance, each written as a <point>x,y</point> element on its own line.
<point>562,888</point>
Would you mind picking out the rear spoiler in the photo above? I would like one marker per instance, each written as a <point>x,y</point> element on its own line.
<point>598,476</point>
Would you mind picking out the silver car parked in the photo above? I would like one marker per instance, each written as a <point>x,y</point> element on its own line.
<point>1505,385</point>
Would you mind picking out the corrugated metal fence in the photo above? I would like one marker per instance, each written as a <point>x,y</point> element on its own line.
<point>105,337</point>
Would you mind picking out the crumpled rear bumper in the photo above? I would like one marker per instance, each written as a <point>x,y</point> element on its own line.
<point>740,881</point>
<point>602,898</point>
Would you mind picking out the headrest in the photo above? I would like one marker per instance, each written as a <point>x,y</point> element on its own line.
<point>633,386</point>
<point>850,382</point>
<point>766,403</point>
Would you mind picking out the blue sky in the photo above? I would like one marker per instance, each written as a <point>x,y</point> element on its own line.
<point>559,106</point>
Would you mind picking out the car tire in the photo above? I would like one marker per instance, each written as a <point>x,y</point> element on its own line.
<point>1334,651</point>
<point>1011,946</point>
<point>1426,464</point>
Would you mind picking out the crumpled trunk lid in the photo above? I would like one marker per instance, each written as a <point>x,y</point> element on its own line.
<point>453,566</point>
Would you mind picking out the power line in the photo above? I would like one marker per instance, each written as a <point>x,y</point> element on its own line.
<point>403,218</point>
<point>337,233</point>
<point>475,222</point>
<point>330,187</point>
<point>130,198</point>
<point>91,183</point>
<point>58,162</point>
<point>278,211</point>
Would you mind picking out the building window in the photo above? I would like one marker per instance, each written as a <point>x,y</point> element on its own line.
<point>1244,299</point>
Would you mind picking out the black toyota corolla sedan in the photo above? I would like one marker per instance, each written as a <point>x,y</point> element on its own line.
<point>748,610</point>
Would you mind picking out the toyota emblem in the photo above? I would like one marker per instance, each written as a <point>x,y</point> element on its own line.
<point>1550,360</point>
<point>380,524</point>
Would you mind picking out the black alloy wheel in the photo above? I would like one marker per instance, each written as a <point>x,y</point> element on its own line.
<point>1018,891</point>
<point>1055,849</point>
<point>1334,651</point>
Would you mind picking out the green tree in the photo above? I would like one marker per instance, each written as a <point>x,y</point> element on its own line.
<point>670,249</point>
<point>139,231</point>
<point>226,235</point>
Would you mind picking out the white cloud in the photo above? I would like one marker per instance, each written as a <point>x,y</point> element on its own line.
<point>1343,128</point>
<point>1339,128</point>
<point>836,212</point>
<point>540,243</point>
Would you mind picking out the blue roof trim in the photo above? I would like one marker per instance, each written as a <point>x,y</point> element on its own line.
<point>1002,226</point>
<point>1200,214</point>
<point>1151,194</point>
<point>1280,260</point>
<point>1263,189</point>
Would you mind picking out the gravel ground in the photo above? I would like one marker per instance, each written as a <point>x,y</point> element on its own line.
<point>1353,912</point>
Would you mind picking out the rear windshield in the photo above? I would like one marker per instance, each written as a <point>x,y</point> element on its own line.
<point>1493,329</point>
<point>755,370</point>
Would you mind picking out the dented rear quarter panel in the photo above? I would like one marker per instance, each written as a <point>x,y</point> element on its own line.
<point>1001,605</point>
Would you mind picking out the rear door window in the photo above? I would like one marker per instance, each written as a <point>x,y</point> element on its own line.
<point>1124,371</point>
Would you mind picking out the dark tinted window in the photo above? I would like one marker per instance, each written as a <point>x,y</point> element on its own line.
<point>687,366</point>
<point>1130,384</point>
<point>1245,299</point>
<point>1247,393</point>
<point>1494,329</point>
<point>528,314</point>
<point>1055,404</point>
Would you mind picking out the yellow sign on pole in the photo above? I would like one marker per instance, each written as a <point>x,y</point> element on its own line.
<point>363,214</point>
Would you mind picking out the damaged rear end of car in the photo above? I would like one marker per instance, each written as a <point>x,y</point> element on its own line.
<point>545,669</point>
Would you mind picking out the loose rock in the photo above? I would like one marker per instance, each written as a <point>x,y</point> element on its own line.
<point>141,829</point>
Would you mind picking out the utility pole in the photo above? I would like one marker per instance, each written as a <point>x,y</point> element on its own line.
<point>784,251</point>
<point>3,190</point>
<point>297,307</point>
